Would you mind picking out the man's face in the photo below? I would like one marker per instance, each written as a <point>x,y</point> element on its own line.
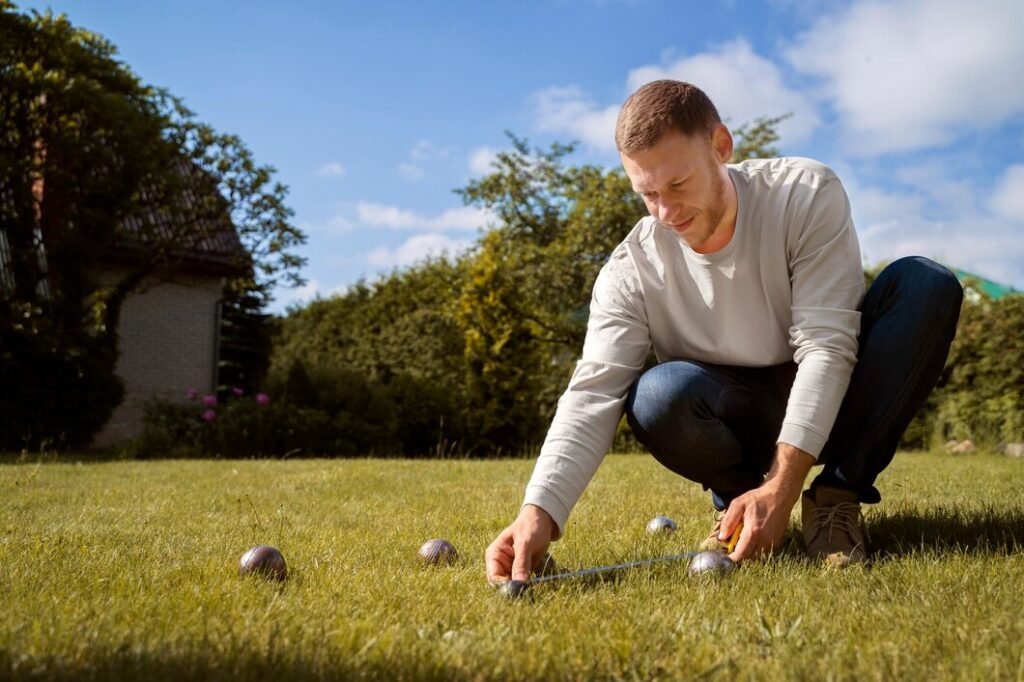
<point>684,182</point>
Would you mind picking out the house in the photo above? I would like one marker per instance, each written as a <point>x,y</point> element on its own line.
<point>993,290</point>
<point>169,326</point>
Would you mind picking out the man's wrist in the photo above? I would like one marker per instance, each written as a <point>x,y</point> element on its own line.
<point>789,471</point>
<point>540,518</point>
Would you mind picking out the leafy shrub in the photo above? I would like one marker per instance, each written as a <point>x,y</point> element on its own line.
<point>53,397</point>
<point>360,412</point>
<point>333,412</point>
<point>980,395</point>
<point>170,429</point>
<point>244,428</point>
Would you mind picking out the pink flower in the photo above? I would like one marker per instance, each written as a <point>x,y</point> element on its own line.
<point>235,390</point>
<point>262,398</point>
<point>209,400</point>
<point>192,393</point>
<point>209,415</point>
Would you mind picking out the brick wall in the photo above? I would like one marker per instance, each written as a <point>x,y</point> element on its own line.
<point>168,346</point>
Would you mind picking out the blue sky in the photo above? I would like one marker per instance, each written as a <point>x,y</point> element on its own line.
<point>373,112</point>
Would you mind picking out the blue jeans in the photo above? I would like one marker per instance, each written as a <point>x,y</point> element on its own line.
<point>717,425</point>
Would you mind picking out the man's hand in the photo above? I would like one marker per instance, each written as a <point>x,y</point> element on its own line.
<point>520,547</point>
<point>765,510</point>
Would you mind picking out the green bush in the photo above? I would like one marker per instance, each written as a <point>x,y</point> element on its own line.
<point>53,397</point>
<point>244,428</point>
<point>333,412</point>
<point>241,427</point>
<point>395,413</point>
<point>982,394</point>
<point>169,429</point>
<point>360,413</point>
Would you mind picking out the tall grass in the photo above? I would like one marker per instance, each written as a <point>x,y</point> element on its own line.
<point>127,570</point>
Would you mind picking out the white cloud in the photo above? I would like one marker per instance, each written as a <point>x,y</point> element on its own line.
<point>339,290</point>
<point>296,295</point>
<point>424,150</point>
<point>411,171</point>
<point>422,154</point>
<point>913,74</point>
<point>381,215</point>
<point>331,169</point>
<point>1008,199</point>
<point>977,244</point>
<point>567,110</point>
<point>742,84</point>
<point>416,249</point>
<point>481,160</point>
<point>340,223</point>
<point>919,221</point>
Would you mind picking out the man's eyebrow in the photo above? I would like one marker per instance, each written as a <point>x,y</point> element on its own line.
<point>677,180</point>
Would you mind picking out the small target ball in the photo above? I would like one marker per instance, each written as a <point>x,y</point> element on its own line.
<point>264,561</point>
<point>438,551</point>
<point>711,561</point>
<point>513,589</point>
<point>661,525</point>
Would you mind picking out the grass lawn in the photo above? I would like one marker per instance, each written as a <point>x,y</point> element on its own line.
<point>127,570</point>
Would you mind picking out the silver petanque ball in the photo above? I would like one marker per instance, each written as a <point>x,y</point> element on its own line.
<point>661,525</point>
<point>513,589</point>
<point>438,551</point>
<point>711,562</point>
<point>264,561</point>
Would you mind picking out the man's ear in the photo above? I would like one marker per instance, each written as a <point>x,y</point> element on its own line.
<point>721,143</point>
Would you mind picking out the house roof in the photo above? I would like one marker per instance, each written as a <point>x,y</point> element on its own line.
<point>208,244</point>
<point>211,237</point>
<point>988,287</point>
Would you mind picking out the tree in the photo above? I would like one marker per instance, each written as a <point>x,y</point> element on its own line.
<point>756,139</point>
<point>981,393</point>
<point>96,166</point>
<point>398,339</point>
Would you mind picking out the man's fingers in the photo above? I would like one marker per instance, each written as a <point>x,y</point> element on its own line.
<point>745,547</point>
<point>521,564</point>
<point>498,559</point>
<point>733,515</point>
<point>511,554</point>
<point>499,567</point>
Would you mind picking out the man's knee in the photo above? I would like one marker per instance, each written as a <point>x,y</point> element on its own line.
<point>666,391</point>
<point>923,290</point>
<point>923,278</point>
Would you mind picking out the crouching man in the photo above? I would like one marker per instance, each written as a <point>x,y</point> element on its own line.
<point>747,281</point>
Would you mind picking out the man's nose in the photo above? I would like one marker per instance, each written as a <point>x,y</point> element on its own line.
<point>665,211</point>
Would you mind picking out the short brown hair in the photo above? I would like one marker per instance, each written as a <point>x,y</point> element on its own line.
<point>660,106</point>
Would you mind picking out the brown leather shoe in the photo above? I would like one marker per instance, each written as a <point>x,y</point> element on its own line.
<point>833,527</point>
<point>711,542</point>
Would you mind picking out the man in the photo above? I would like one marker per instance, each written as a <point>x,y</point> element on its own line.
<point>746,279</point>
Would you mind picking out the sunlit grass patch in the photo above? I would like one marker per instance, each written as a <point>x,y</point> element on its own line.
<point>129,570</point>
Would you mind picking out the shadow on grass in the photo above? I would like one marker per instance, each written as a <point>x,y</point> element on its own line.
<point>988,531</point>
<point>153,666</point>
<point>580,580</point>
<point>53,457</point>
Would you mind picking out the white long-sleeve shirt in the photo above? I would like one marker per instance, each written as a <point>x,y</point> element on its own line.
<point>786,287</point>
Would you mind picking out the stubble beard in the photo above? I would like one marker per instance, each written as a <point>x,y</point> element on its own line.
<point>712,217</point>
